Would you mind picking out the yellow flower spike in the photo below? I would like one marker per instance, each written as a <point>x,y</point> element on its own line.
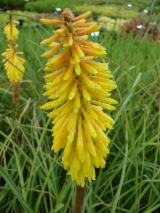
<point>79,89</point>
<point>11,31</point>
<point>13,64</point>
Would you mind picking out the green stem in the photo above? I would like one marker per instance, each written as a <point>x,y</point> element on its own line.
<point>80,192</point>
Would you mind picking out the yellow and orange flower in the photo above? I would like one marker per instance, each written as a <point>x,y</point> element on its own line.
<point>13,64</point>
<point>78,87</point>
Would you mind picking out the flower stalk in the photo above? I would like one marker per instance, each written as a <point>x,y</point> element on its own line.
<point>80,194</point>
<point>15,92</point>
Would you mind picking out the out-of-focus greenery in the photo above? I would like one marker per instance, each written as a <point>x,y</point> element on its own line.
<point>110,24</point>
<point>12,3</point>
<point>16,15</point>
<point>32,178</point>
<point>94,2</point>
<point>110,11</point>
<point>98,7</point>
<point>49,5</point>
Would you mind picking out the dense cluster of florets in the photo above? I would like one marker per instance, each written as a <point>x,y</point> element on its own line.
<point>79,89</point>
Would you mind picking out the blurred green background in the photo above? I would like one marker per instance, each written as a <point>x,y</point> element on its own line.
<point>32,178</point>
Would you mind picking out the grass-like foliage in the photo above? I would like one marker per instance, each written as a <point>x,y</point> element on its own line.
<point>32,178</point>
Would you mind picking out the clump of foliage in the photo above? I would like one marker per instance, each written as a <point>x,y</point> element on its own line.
<point>94,2</point>
<point>109,11</point>
<point>140,27</point>
<point>12,4</point>
<point>29,170</point>
<point>32,178</point>
<point>110,24</point>
<point>48,5</point>
<point>17,15</point>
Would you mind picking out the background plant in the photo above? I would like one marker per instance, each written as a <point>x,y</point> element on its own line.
<point>31,176</point>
